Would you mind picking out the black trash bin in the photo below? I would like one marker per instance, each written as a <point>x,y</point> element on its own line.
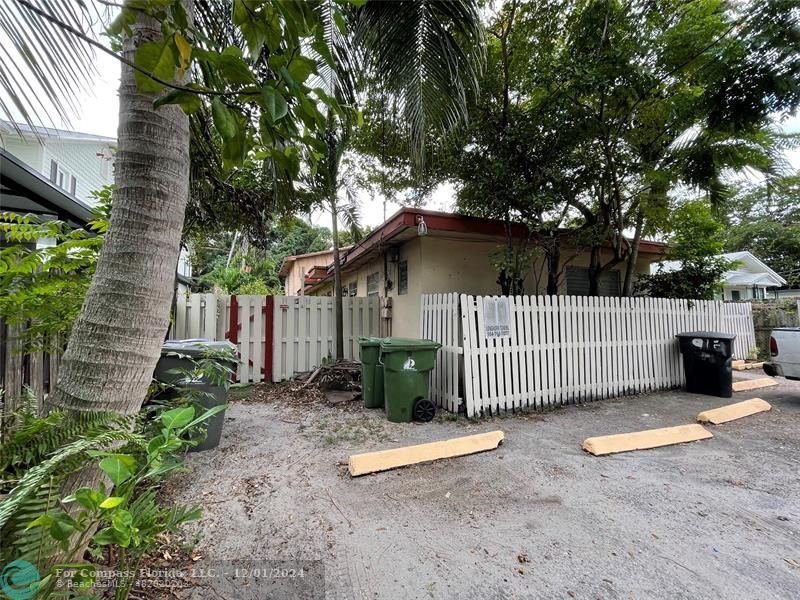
<point>181,355</point>
<point>707,357</point>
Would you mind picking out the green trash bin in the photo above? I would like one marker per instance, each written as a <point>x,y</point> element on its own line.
<point>371,372</point>
<point>407,364</point>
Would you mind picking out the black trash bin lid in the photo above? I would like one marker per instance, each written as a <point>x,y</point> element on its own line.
<point>714,335</point>
<point>196,347</point>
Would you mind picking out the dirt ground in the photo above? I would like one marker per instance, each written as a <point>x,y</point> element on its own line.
<point>537,518</point>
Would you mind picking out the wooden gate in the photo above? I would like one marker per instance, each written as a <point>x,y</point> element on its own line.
<point>276,336</point>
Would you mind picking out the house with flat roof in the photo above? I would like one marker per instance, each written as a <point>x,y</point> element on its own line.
<point>419,252</point>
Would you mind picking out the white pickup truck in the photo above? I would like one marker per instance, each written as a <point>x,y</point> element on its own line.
<point>784,348</point>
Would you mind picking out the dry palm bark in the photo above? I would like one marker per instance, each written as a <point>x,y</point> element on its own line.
<point>116,340</point>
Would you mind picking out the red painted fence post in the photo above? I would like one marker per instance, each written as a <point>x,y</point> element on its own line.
<point>269,330</point>
<point>233,329</point>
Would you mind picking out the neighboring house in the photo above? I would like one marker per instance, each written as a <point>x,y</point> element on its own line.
<point>25,190</point>
<point>750,279</point>
<point>78,163</point>
<point>300,271</point>
<point>418,252</point>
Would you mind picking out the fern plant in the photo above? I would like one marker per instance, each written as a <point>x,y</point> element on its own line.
<point>38,523</point>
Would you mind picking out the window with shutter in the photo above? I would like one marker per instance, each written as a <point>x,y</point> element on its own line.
<point>62,178</point>
<point>578,282</point>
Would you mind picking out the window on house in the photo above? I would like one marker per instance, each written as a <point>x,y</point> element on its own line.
<point>354,288</point>
<point>350,289</point>
<point>372,284</point>
<point>578,282</point>
<point>62,178</point>
<point>402,277</point>
<point>736,295</point>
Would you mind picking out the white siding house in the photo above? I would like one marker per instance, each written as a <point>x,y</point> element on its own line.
<point>78,163</point>
<point>750,278</point>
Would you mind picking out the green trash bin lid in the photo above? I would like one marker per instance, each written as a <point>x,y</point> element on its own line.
<point>396,344</point>
<point>369,341</point>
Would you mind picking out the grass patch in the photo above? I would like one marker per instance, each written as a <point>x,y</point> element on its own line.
<point>337,430</point>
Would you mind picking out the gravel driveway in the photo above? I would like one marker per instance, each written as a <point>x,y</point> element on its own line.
<point>537,518</point>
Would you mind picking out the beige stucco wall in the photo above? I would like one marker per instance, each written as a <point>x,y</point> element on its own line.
<point>293,285</point>
<point>441,265</point>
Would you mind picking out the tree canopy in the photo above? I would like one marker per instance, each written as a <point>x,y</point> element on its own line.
<point>764,218</point>
<point>593,116</point>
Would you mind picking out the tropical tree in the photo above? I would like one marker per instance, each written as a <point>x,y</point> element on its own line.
<point>324,185</point>
<point>592,112</point>
<point>764,218</point>
<point>259,98</point>
<point>695,243</point>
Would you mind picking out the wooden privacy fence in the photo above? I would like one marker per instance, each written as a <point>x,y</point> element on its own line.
<point>18,369</point>
<point>553,350</point>
<point>276,336</point>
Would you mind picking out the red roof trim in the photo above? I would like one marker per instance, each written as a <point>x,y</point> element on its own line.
<point>448,222</point>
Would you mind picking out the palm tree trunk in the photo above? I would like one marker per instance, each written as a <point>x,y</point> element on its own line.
<point>116,339</point>
<point>337,282</point>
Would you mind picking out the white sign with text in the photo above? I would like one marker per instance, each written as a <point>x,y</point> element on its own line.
<point>496,317</point>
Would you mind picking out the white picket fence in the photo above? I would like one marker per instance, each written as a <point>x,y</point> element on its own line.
<point>276,336</point>
<point>440,322</point>
<point>567,349</point>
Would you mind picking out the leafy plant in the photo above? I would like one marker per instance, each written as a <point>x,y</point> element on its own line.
<point>135,454</point>
<point>45,270</point>
<point>695,245</point>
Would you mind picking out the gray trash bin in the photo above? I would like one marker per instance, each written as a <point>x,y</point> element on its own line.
<point>182,355</point>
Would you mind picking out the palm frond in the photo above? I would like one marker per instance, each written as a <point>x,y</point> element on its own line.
<point>428,54</point>
<point>41,65</point>
<point>350,215</point>
<point>22,542</point>
<point>35,477</point>
<point>340,58</point>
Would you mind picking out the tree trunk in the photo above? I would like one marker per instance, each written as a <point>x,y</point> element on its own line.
<point>553,259</point>
<point>630,268</point>
<point>116,339</point>
<point>595,269</point>
<point>337,282</point>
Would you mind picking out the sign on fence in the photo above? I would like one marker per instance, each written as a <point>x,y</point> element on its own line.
<point>495,317</point>
<point>565,349</point>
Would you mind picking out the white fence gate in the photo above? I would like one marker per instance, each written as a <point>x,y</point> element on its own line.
<point>566,349</point>
<point>305,330</point>
<point>276,336</point>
